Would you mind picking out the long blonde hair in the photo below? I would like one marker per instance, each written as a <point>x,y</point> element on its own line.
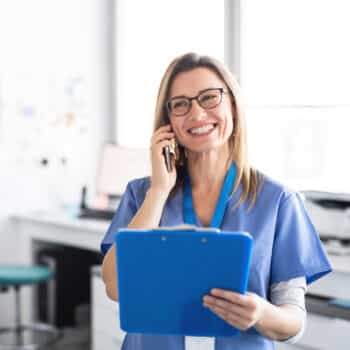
<point>250,178</point>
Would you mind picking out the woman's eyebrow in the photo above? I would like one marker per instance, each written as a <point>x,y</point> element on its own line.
<point>178,96</point>
<point>199,92</point>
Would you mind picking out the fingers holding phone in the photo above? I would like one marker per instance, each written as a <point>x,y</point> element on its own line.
<point>163,159</point>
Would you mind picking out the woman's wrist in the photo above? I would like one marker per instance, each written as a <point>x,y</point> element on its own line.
<point>150,212</point>
<point>277,322</point>
<point>157,194</point>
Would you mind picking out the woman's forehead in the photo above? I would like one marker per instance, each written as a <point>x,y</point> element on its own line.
<point>191,82</point>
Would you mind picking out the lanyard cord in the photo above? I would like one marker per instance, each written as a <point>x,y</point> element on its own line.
<point>188,209</point>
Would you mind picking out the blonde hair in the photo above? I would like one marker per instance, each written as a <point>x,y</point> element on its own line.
<point>250,178</point>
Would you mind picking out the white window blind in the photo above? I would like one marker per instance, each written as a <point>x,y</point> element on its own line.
<point>294,76</point>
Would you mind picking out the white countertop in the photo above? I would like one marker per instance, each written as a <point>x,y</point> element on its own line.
<point>63,219</point>
<point>59,228</point>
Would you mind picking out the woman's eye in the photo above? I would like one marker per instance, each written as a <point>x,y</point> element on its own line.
<point>179,104</point>
<point>208,97</point>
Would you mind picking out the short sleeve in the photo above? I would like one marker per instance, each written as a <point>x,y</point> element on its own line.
<point>126,211</point>
<point>297,249</point>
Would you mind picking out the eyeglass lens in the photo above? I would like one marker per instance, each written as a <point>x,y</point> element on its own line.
<point>207,99</point>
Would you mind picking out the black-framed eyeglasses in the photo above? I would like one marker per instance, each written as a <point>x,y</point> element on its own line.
<point>207,99</point>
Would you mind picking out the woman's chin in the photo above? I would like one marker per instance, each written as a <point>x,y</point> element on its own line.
<point>203,148</point>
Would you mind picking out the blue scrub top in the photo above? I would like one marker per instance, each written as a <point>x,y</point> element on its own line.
<point>286,246</point>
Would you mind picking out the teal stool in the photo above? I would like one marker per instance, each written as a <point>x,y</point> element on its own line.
<point>25,337</point>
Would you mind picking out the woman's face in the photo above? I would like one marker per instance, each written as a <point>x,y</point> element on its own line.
<point>216,124</point>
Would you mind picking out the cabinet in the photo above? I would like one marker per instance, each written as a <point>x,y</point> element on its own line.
<point>106,333</point>
<point>322,333</point>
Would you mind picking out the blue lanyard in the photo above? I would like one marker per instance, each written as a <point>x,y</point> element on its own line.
<point>188,210</point>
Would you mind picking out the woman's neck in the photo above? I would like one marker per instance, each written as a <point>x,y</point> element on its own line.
<point>208,169</point>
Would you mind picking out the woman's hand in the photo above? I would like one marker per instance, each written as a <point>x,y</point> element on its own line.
<point>162,180</point>
<point>240,311</point>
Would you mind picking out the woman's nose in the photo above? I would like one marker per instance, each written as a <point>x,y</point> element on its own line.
<point>197,112</point>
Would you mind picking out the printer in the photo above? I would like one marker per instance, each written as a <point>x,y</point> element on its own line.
<point>330,213</point>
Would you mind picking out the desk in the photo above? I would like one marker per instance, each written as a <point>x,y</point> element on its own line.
<point>35,230</point>
<point>87,234</point>
<point>60,229</point>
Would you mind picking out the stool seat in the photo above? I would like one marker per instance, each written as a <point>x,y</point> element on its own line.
<point>16,275</point>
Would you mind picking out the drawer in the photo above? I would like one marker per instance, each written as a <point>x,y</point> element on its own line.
<point>106,320</point>
<point>102,341</point>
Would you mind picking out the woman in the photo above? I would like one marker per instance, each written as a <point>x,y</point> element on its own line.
<point>198,107</point>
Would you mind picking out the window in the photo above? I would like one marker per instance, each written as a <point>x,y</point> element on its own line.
<point>294,75</point>
<point>149,34</point>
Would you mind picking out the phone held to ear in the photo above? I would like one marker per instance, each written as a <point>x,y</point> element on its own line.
<point>169,151</point>
<point>167,158</point>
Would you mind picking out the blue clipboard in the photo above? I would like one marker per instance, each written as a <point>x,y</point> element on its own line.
<point>163,275</point>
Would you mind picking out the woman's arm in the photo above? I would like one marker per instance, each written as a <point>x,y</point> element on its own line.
<point>291,293</point>
<point>150,212</point>
<point>148,216</point>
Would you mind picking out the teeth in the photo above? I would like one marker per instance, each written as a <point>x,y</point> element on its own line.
<point>202,129</point>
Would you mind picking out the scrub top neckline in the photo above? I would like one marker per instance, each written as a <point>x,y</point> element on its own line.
<point>189,213</point>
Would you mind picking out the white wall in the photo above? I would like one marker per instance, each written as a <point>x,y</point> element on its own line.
<point>54,103</point>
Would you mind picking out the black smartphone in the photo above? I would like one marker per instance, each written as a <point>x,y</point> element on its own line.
<point>167,157</point>
<point>168,151</point>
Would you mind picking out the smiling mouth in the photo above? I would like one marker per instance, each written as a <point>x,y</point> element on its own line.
<point>202,130</point>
